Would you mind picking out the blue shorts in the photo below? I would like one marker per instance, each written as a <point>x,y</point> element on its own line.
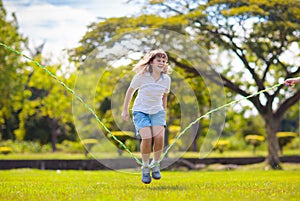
<point>142,120</point>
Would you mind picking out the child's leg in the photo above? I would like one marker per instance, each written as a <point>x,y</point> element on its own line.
<point>158,135</point>
<point>145,151</point>
<point>145,147</point>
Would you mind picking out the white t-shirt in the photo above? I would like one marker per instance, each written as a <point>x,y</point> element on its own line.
<point>150,92</point>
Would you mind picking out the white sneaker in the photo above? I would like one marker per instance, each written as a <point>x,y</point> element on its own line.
<point>146,175</point>
<point>155,167</point>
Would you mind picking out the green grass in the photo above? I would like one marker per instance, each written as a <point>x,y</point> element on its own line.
<point>28,184</point>
<point>239,153</point>
<point>63,155</point>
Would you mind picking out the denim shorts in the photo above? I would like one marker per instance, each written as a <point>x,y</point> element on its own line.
<point>141,119</point>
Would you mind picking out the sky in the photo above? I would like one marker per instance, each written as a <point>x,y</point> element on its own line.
<point>61,24</point>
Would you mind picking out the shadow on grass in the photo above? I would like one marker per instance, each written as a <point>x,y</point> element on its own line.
<point>159,187</point>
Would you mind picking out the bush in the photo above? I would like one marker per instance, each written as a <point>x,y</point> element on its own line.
<point>255,141</point>
<point>131,144</point>
<point>5,150</point>
<point>221,145</point>
<point>174,130</point>
<point>177,145</point>
<point>26,146</point>
<point>88,144</point>
<point>123,136</point>
<point>285,138</point>
<point>295,144</point>
<point>70,146</point>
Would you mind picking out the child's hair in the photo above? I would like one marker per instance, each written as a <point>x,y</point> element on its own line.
<point>144,64</point>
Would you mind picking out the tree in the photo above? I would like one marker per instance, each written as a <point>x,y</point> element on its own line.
<point>254,35</point>
<point>11,75</point>
<point>29,99</point>
<point>185,87</point>
<point>50,104</point>
<point>257,34</point>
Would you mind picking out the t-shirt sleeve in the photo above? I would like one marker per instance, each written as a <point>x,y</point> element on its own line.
<point>135,82</point>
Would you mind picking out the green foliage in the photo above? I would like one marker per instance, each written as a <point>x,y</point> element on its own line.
<point>284,138</point>
<point>29,97</point>
<point>26,146</point>
<point>71,147</point>
<point>47,113</point>
<point>88,144</point>
<point>221,145</point>
<point>131,144</point>
<point>238,124</point>
<point>12,72</point>
<point>295,144</point>
<point>90,141</point>
<point>254,140</point>
<point>174,131</point>
<point>255,36</point>
<point>126,137</point>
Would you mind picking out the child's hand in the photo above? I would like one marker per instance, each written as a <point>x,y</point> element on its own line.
<point>291,81</point>
<point>125,115</point>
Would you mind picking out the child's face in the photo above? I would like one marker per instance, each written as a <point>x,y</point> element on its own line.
<point>159,63</point>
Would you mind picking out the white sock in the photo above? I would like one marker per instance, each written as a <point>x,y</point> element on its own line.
<point>154,161</point>
<point>146,163</point>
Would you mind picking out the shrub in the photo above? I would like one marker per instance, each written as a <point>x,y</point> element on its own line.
<point>26,146</point>
<point>131,144</point>
<point>255,141</point>
<point>221,145</point>
<point>70,146</point>
<point>177,145</point>
<point>174,130</point>
<point>123,136</point>
<point>5,150</point>
<point>285,138</point>
<point>88,144</point>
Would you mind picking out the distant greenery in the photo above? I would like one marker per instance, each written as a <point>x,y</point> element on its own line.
<point>25,184</point>
<point>231,147</point>
<point>36,111</point>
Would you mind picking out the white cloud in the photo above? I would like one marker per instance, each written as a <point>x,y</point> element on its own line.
<point>61,24</point>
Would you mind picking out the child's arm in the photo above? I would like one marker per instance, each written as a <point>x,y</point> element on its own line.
<point>127,100</point>
<point>164,100</point>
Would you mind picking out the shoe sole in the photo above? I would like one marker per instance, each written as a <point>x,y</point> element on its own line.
<point>156,178</point>
<point>146,182</point>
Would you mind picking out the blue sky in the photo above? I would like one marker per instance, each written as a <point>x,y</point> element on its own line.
<point>61,24</point>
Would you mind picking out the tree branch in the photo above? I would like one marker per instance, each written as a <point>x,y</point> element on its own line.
<point>236,49</point>
<point>287,103</point>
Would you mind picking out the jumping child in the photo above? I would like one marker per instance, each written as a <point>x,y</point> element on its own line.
<point>149,108</point>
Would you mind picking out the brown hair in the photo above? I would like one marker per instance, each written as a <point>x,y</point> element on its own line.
<point>144,64</point>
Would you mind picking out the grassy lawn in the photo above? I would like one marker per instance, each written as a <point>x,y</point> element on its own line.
<point>28,184</point>
<point>214,154</point>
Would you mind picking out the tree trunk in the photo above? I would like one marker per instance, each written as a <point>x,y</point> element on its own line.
<point>53,123</point>
<point>53,139</point>
<point>272,127</point>
<point>195,129</point>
